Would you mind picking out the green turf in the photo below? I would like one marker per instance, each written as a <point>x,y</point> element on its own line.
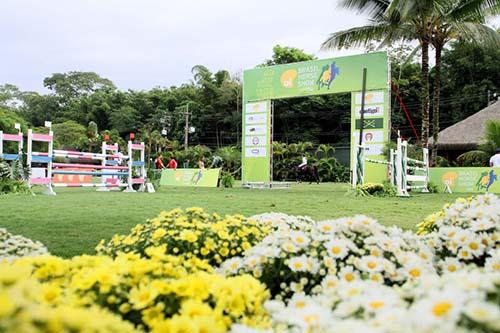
<point>75,220</point>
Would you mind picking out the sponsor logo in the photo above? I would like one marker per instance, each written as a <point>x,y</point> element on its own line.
<point>288,77</point>
<point>328,74</point>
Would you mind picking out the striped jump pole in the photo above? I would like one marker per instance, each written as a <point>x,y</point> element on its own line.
<point>137,168</point>
<point>12,138</point>
<point>41,158</point>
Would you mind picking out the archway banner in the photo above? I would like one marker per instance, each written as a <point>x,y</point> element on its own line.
<point>317,77</point>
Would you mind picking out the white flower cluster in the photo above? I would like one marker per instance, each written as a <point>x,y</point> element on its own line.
<point>355,275</point>
<point>455,302</point>
<point>468,232</point>
<point>15,246</point>
<point>293,259</point>
<point>285,221</point>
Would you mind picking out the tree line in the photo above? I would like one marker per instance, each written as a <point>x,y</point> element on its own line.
<point>82,105</point>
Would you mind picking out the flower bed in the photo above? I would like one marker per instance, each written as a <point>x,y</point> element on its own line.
<point>161,292</point>
<point>15,246</point>
<point>190,271</point>
<point>192,233</point>
<point>290,261</point>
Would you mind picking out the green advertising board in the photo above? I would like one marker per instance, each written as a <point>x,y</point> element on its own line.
<point>190,177</point>
<point>466,180</point>
<point>317,77</point>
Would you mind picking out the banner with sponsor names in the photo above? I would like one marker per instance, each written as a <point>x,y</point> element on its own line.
<point>375,130</point>
<point>308,78</point>
<point>190,177</point>
<point>466,180</point>
<point>256,159</point>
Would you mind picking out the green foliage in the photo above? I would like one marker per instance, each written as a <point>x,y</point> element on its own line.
<point>286,55</point>
<point>432,187</point>
<point>227,180</point>
<point>481,157</point>
<point>9,180</point>
<point>13,186</point>
<point>374,190</point>
<point>473,158</point>
<point>288,156</point>
<point>441,162</point>
<point>72,85</point>
<point>69,134</point>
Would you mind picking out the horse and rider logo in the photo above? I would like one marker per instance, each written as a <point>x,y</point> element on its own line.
<point>328,74</point>
<point>486,180</point>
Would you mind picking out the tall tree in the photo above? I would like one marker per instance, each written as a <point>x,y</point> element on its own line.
<point>391,21</point>
<point>286,55</point>
<point>458,19</point>
<point>73,85</point>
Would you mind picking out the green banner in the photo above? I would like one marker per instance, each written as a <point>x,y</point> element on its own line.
<point>190,177</point>
<point>466,180</point>
<point>326,76</point>
<point>308,78</point>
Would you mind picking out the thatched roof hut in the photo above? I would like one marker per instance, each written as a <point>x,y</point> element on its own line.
<point>468,133</point>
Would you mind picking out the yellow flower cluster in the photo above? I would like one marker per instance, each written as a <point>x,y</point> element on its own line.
<point>192,233</point>
<point>162,293</point>
<point>29,306</point>
<point>428,225</point>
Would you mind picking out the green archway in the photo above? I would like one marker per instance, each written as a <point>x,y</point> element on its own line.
<point>317,77</point>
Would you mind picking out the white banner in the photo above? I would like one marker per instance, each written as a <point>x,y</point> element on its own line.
<point>256,107</point>
<point>374,149</point>
<point>255,152</point>
<point>252,140</point>
<point>371,97</point>
<point>257,118</point>
<point>255,129</point>
<point>370,111</point>
<point>370,136</point>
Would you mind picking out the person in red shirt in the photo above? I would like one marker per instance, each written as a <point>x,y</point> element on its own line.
<point>172,164</point>
<point>159,162</point>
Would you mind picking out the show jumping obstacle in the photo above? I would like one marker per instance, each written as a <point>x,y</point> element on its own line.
<point>12,138</point>
<point>404,176</point>
<point>111,171</point>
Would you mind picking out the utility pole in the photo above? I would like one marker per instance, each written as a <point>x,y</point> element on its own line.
<point>186,128</point>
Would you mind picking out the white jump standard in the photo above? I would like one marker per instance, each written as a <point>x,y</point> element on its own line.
<point>404,176</point>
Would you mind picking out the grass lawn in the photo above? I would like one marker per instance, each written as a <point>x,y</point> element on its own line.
<point>74,221</point>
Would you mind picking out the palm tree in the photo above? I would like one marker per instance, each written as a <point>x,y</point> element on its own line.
<point>486,149</point>
<point>431,22</point>
<point>458,19</point>
<point>391,21</point>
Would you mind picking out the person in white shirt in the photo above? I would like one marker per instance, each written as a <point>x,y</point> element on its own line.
<point>495,159</point>
<point>304,162</point>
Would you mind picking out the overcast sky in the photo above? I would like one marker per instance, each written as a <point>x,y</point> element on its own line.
<point>140,44</point>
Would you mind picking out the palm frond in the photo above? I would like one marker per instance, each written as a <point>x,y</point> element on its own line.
<point>373,8</point>
<point>473,10</point>
<point>359,36</point>
<point>492,132</point>
<point>476,33</point>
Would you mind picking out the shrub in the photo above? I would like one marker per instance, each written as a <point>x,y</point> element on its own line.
<point>375,189</point>
<point>192,233</point>
<point>465,232</point>
<point>27,305</point>
<point>153,294</point>
<point>227,180</point>
<point>14,246</point>
<point>291,261</point>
